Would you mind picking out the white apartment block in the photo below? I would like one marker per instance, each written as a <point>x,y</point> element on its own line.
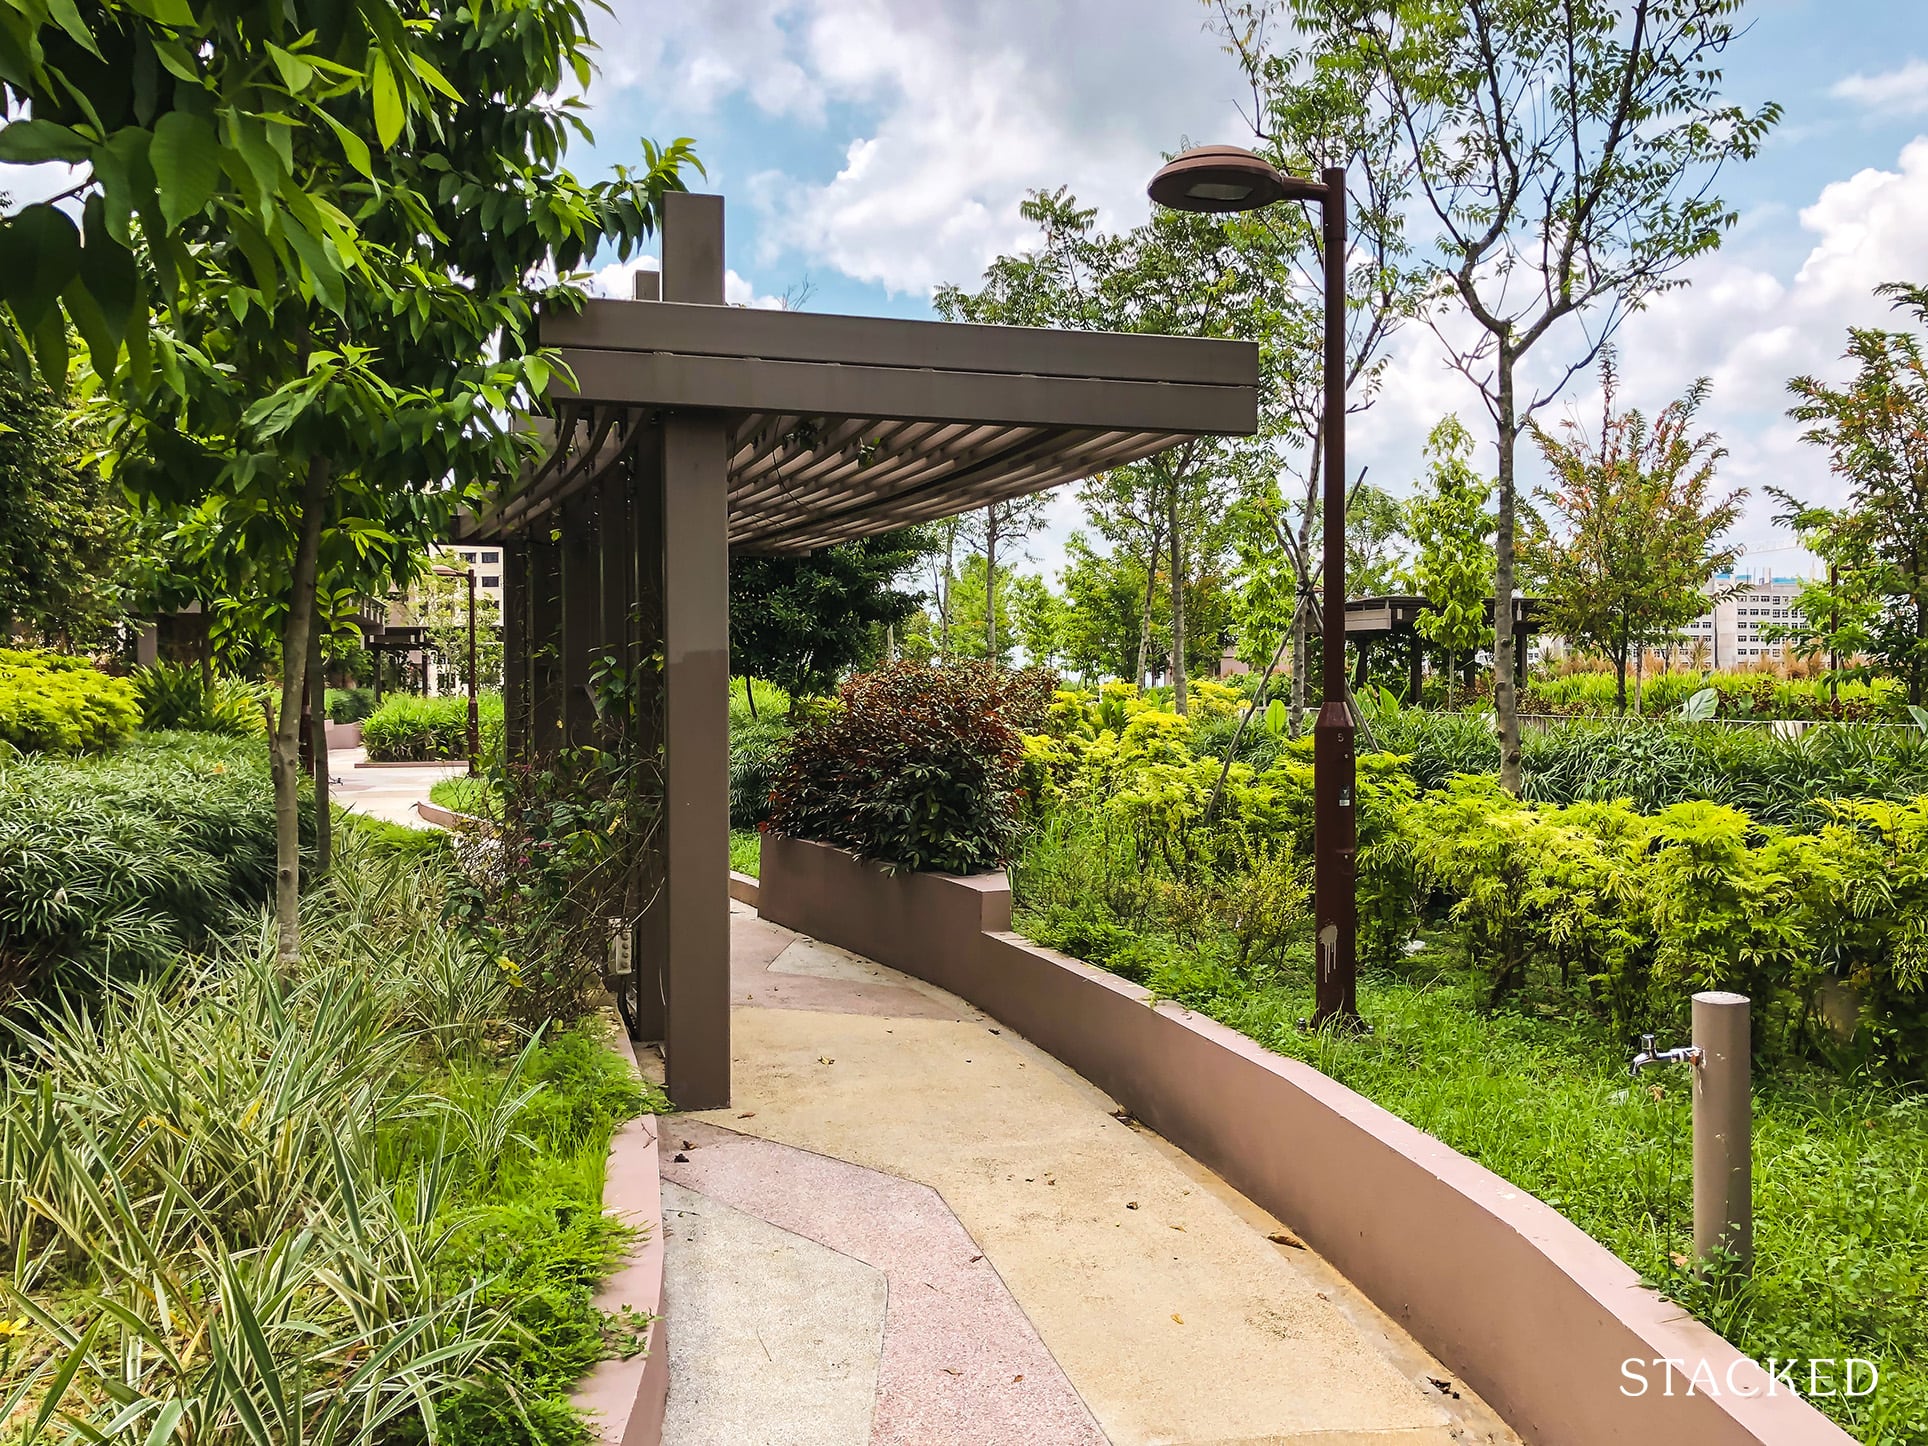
<point>487,562</point>
<point>1732,632</point>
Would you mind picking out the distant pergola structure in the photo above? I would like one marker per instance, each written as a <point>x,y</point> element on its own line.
<point>1373,620</point>
<point>694,429</point>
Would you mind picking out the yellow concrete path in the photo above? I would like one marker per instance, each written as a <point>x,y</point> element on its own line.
<point>1178,1310</point>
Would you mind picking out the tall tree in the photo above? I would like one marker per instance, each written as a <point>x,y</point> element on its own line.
<point>993,530</point>
<point>1105,633</point>
<point>803,621</point>
<point>1566,152</point>
<point>1633,526</point>
<point>1452,559</point>
<point>344,331</point>
<point>1179,274</point>
<point>1305,116</point>
<point>1873,615</point>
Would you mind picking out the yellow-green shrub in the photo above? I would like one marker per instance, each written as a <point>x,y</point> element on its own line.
<point>52,702</point>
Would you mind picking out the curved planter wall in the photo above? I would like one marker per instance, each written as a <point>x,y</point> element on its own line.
<point>1502,1288</point>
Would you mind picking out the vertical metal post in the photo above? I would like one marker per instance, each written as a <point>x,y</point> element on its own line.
<point>545,640</point>
<point>1723,1129</point>
<point>581,620</point>
<point>696,660</point>
<point>1335,835</point>
<point>475,714</point>
<point>515,649</point>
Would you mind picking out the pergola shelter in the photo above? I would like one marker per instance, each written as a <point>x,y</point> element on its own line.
<point>1373,620</point>
<point>686,430</point>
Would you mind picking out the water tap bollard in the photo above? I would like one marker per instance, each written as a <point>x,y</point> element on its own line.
<point>1723,1129</point>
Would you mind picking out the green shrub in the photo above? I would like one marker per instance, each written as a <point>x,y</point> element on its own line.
<point>60,704</point>
<point>111,866</point>
<point>918,767</point>
<point>408,729</point>
<point>177,696</point>
<point>1654,763</point>
<point>349,705</point>
<point>756,751</point>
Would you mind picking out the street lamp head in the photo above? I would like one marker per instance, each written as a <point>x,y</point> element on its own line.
<point>1226,178</point>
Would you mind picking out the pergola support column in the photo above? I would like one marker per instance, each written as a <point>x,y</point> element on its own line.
<point>696,691</point>
<point>696,812</point>
<point>644,475</point>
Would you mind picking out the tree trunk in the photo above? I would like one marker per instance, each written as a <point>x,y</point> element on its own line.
<point>749,694</point>
<point>990,582</point>
<point>1295,720</point>
<point>944,594</point>
<point>1151,587</point>
<point>1620,673</point>
<point>318,715</point>
<point>285,744</point>
<point>1178,597</point>
<point>1505,700</point>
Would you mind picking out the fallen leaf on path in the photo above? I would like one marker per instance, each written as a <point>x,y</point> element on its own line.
<point>1177,1317</point>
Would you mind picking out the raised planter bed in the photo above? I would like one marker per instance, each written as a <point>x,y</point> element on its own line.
<point>1537,1316</point>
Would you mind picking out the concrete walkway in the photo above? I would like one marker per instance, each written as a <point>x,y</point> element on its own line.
<point>389,791</point>
<point>912,1227</point>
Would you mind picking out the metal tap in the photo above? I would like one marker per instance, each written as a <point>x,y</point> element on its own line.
<point>1684,1054</point>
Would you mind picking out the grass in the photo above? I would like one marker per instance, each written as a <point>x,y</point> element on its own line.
<point>464,794</point>
<point>340,1203</point>
<point>746,851</point>
<point>1539,1094</point>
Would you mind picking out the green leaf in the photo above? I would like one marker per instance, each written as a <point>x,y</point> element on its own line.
<point>388,103</point>
<point>67,17</point>
<point>39,254</point>
<point>126,179</point>
<point>1702,706</point>
<point>108,272</point>
<point>352,146</point>
<point>29,142</point>
<point>1920,715</point>
<point>187,164</point>
<point>296,73</point>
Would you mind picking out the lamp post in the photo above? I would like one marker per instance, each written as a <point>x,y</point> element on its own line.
<point>1226,178</point>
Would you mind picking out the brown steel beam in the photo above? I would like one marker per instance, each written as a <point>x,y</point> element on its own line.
<point>872,341</point>
<point>752,384</point>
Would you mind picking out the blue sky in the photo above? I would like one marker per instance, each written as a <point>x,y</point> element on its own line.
<point>879,147</point>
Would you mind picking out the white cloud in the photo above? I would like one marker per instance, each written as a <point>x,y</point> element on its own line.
<point>617,281</point>
<point>1776,306</point>
<point>1901,91</point>
<point>959,107</point>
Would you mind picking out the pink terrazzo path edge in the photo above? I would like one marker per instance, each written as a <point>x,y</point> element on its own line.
<point>961,1361</point>
<point>625,1399</point>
